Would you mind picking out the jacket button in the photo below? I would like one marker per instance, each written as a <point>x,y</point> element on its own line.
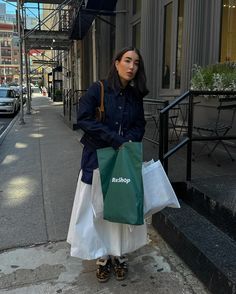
<point>116,123</point>
<point>119,107</point>
<point>121,93</point>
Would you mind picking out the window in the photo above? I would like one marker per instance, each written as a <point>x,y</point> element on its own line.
<point>167,46</point>
<point>172,24</point>
<point>136,23</point>
<point>112,37</point>
<point>137,6</point>
<point>136,35</point>
<point>179,44</point>
<point>6,93</point>
<point>228,31</point>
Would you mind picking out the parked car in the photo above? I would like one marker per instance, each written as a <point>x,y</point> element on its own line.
<point>17,90</point>
<point>9,101</point>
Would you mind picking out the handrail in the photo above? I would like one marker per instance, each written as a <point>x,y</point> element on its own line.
<point>211,93</point>
<point>77,95</point>
<point>153,102</point>
<point>164,153</point>
<point>161,101</point>
<point>175,102</point>
<point>65,99</point>
<point>176,148</point>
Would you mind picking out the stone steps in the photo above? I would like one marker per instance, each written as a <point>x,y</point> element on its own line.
<point>199,238</point>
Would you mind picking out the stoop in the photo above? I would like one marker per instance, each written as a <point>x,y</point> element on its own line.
<point>202,233</point>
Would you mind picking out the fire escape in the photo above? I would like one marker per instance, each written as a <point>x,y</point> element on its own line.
<point>58,24</point>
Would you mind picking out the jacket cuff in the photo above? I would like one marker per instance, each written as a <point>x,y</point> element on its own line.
<point>118,141</point>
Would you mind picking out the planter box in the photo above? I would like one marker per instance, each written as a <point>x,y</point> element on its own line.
<point>57,98</point>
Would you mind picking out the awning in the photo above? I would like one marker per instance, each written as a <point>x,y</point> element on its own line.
<point>87,13</point>
<point>101,5</point>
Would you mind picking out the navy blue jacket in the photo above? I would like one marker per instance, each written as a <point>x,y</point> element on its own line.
<point>124,121</point>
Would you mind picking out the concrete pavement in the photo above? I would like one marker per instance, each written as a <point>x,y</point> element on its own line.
<point>39,163</point>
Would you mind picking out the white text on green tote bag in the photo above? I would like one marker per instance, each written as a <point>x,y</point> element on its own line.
<point>121,180</point>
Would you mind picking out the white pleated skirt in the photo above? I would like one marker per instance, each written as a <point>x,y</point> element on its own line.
<point>92,238</point>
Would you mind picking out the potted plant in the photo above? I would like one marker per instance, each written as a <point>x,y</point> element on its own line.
<point>215,77</point>
<point>58,95</point>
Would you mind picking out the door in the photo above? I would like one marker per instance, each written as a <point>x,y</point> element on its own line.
<point>172,21</point>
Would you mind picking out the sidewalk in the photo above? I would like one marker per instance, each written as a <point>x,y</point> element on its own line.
<point>39,163</point>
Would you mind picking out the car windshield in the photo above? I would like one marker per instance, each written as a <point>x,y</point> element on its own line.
<point>4,93</point>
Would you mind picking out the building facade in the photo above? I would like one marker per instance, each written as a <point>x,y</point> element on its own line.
<point>172,36</point>
<point>9,45</point>
<point>9,53</point>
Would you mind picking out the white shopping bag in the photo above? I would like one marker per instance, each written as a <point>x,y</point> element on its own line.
<point>97,196</point>
<point>158,191</point>
<point>82,235</point>
<point>92,238</point>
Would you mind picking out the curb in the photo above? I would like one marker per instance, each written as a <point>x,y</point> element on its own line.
<point>8,128</point>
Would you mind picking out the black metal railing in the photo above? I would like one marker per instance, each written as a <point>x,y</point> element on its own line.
<point>152,109</point>
<point>76,96</point>
<point>66,98</point>
<point>70,105</point>
<point>164,151</point>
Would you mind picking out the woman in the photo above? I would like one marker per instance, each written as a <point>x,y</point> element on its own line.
<point>124,121</point>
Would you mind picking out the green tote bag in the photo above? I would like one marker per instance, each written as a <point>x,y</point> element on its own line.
<point>121,179</point>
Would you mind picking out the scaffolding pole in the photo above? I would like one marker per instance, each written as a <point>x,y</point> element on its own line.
<point>21,121</point>
<point>27,73</point>
<point>28,101</point>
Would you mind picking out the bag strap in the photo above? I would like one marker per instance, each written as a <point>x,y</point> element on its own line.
<point>102,97</point>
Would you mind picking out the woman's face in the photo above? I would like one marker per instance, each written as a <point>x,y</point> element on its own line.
<point>127,67</point>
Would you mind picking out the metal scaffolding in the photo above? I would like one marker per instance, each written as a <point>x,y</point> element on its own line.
<point>50,33</point>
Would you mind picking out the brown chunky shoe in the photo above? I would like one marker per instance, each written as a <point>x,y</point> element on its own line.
<point>103,270</point>
<point>120,268</point>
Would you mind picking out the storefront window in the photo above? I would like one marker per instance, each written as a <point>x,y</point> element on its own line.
<point>179,44</point>
<point>228,31</point>
<point>137,6</point>
<point>113,37</point>
<point>167,46</point>
<point>136,35</point>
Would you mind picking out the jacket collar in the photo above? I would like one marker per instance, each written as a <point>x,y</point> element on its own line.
<point>117,89</point>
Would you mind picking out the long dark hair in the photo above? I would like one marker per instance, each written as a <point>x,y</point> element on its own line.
<point>139,81</point>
